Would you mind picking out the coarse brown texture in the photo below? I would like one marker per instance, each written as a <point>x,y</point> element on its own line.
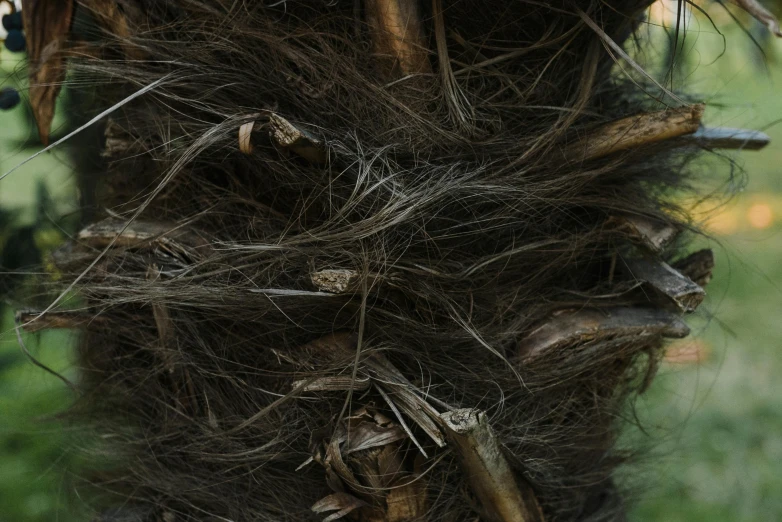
<point>47,27</point>
<point>325,236</point>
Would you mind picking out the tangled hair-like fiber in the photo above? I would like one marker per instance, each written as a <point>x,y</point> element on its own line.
<point>329,234</point>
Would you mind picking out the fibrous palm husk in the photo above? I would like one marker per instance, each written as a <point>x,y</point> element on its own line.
<point>347,244</point>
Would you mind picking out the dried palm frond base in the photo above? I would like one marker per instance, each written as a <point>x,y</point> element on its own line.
<point>385,260</point>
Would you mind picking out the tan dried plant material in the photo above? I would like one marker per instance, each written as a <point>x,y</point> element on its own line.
<point>335,281</point>
<point>370,472</point>
<point>637,131</point>
<point>297,140</point>
<point>761,14</point>
<point>503,496</point>
<point>245,133</point>
<point>47,24</point>
<point>341,503</point>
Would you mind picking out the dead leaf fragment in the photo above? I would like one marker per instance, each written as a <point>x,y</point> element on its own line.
<point>47,24</point>
<point>342,503</point>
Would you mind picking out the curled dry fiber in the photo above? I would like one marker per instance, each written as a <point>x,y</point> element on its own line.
<point>379,261</point>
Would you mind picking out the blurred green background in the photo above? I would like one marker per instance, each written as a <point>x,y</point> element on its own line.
<point>714,413</point>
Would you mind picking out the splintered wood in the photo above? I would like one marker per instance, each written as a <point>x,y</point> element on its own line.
<point>286,136</point>
<point>636,131</point>
<point>697,266</point>
<point>652,234</point>
<point>503,497</point>
<point>677,288</point>
<point>576,327</point>
<point>397,36</point>
<point>295,139</point>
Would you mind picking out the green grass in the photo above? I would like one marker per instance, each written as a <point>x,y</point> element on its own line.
<point>35,449</point>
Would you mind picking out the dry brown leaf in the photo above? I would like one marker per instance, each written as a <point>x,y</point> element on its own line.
<point>342,503</point>
<point>47,24</point>
<point>369,435</point>
<point>761,14</point>
<point>406,502</point>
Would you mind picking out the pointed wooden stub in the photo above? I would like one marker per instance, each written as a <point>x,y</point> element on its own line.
<point>397,37</point>
<point>47,24</point>
<point>504,498</point>
<point>577,327</point>
<point>636,131</point>
<point>651,233</point>
<point>697,266</point>
<point>677,288</point>
<point>293,138</point>
<point>727,138</point>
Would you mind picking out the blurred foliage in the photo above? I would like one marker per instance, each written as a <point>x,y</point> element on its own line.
<point>37,455</point>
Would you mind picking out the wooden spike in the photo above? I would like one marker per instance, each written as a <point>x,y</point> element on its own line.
<point>502,496</point>
<point>35,321</point>
<point>577,327</point>
<point>397,36</point>
<point>651,233</point>
<point>295,139</point>
<point>697,266</point>
<point>676,287</point>
<point>761,14</point>
<point>637,131</point>
<point>727,138</point>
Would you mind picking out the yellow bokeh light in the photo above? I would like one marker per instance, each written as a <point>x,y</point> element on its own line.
<point>724,223</point>
<point>760,215</point>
